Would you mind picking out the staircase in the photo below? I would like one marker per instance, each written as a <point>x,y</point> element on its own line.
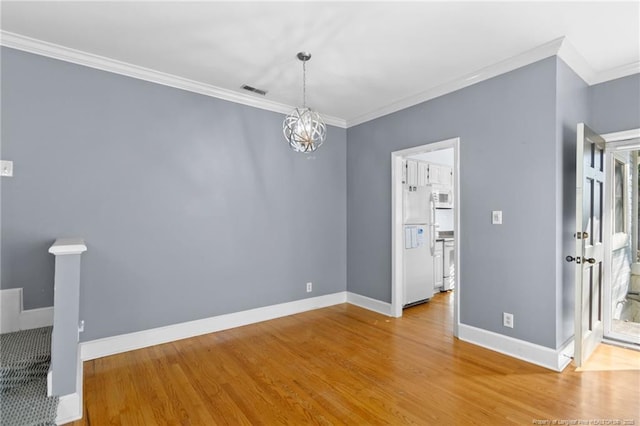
<point>24,363</point>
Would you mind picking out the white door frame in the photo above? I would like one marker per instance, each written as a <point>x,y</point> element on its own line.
<point>396,223</point>
<point>611,140</point>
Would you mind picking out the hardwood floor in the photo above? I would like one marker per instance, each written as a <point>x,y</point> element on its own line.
<point>347,365</point>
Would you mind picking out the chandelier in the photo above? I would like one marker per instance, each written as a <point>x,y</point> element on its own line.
<point>303,128</point>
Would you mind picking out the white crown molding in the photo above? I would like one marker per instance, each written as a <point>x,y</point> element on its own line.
<point>541,52</point>
<point>560,47</point>
<point>576,62</point>
<point>580,66</point>
<point>55,51</point>
<point>615,73</point>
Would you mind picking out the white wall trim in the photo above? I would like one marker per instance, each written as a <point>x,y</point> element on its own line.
<point>397,245</point>
<point>559,46</point>
<point>36,318</point>
<point>55,51</point>
<point>615,73</point>
<point>536,54</point>
<point>621,136</point>
<point>141,339</point>
<point>614,140</point>
<point>365,302</point>
<point>14,318</point>
<point>10,308</point>
<point>568,53</point>
<point>62,246</point>
<point>553,359</point>
<point>70,406</point>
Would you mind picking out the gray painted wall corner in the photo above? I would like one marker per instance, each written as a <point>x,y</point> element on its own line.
<point>193,206</point>
<point>508,143</point>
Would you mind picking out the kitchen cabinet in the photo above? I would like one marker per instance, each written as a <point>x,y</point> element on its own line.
<point>440,175</point>
<point>423,173</point>
<point>412,173</point>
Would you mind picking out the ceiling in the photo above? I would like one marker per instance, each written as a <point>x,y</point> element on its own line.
<point>366,55</point>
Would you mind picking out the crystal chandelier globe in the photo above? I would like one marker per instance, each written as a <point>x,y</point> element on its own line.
<point>304,128</point>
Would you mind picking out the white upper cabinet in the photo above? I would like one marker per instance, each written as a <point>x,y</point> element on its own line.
<point>440,175</point>
<point>423,173</point>
<point>412,173</point>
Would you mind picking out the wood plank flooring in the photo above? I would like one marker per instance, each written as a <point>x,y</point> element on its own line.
<point>347,365</point>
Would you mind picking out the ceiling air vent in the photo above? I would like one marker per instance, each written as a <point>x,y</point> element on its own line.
<point>254,90</point>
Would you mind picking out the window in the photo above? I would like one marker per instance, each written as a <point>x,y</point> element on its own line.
<point>619,185</point>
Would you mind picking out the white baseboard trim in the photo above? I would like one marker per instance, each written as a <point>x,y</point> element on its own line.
<point>10,307</point>
<point>141,339</point>
<point>70,406</point>
<point>553,359</point>
<point>365,302</point>
<point>35,318</point>
<point>14,318</point>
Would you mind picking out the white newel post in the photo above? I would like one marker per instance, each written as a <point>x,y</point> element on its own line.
<point>66,310</point>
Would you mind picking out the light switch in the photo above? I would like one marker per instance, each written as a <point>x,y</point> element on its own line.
<point>496,217</point>
<point>6,168</point>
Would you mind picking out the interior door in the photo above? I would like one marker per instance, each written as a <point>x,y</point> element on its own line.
<point>590,178</point>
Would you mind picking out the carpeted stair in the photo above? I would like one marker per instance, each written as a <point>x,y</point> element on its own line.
<point>24,362</point>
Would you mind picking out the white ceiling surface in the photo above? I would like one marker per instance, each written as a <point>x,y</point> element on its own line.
<point>366,55</point>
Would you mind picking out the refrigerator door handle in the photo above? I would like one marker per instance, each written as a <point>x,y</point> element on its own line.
<point>432,224</point>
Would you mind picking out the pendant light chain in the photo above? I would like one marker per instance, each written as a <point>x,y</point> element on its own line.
<point>304,84</point>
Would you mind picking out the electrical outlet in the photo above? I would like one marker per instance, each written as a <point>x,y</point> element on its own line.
<point>309,287</point>
<point>507,320</point>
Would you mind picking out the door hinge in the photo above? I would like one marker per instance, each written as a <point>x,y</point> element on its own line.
<point>581,235</point>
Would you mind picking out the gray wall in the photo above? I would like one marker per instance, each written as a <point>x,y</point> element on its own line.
<point>194,207</point>
<point>615,104</point>
<point>507,127</point>
<point>572,107</point>
<point>190,206</point>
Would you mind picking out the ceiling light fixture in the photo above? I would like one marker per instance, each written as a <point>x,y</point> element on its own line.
<point>303,128</point>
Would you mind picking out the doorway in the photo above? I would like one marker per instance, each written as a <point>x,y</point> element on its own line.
<point>397,234</point>
<point>622,288</point>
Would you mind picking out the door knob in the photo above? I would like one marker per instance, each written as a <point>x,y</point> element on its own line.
<point>570,258</point>
<point>589,260</point>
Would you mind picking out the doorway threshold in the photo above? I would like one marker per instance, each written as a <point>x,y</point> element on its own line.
<point>621,343</point>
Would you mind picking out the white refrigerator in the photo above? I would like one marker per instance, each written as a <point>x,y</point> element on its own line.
<point>419,244</point>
